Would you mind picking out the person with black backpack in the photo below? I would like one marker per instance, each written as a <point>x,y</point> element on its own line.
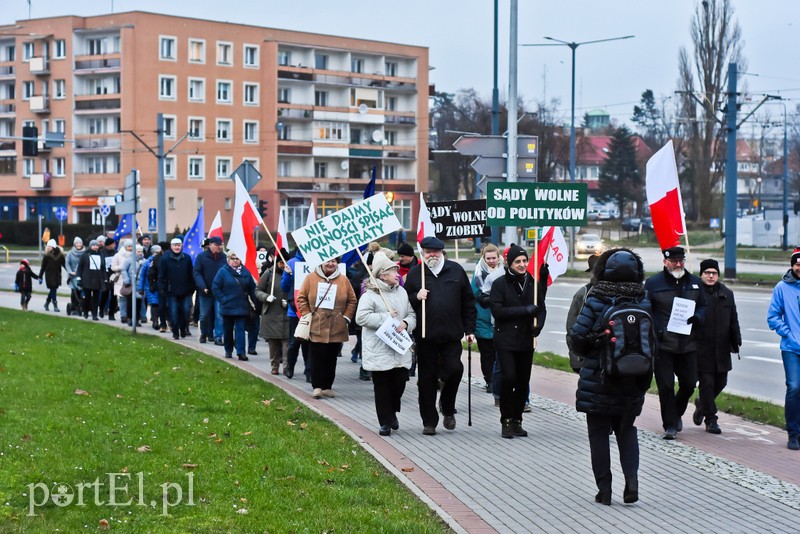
<point>615,335</point>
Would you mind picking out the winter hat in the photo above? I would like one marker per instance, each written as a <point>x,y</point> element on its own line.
<point>216,240</point>
<point>675,253</point>
<point>155,249</point>
<point>93,242</point>
<point>795,256</point>
<point>77,241</point>
<point>515,251</point>
<point>381,263</point>
<point>52,243</point>
<point>107,242</point>
<point>176,241</point>
<point>405,250</point>
<point>622,266</point>
<point>24,261</point>
<point>432,243</point>
<point>592,260</point>
<point>127,243</point>
<point>709,264</point>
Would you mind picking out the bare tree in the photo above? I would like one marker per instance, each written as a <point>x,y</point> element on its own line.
<point>702,78</point>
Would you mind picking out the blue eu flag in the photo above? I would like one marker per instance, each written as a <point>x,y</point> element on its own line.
<point>127,226</point>
<point>192,242</point>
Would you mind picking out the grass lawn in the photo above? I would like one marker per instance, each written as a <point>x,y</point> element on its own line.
<point>80,401</point>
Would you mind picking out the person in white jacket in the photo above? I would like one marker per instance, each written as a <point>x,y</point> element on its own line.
<point>389,368</point>
<point>117,265</point>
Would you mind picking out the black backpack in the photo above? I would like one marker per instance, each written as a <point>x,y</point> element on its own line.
<point>626,339</point>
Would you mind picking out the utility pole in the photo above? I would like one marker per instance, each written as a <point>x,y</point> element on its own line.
<point>511,173</point>
<point>731,178</point>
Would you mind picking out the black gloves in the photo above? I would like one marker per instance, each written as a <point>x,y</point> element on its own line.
<point>544,272</point>
<point>693,319</point>
<point>532,309</point>
<point>483,300</point>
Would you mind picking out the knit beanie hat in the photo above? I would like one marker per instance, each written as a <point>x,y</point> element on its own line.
<point>77,241</point>
<point>709,264</point>
<point>514,251</point>
<point>795,256</point>
<point>405,250</point>
<point>381,263</point>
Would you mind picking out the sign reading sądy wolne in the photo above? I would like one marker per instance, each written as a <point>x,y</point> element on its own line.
<point>539,204</point>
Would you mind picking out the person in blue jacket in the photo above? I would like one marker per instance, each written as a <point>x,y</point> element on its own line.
<point>235,289</point>
<point>176,282</point>
<point>206,266</point>
<point>484,330</point>
<point>147,288</point>
<point>784,318</point>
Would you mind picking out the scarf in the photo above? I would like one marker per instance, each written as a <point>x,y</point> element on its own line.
<point>482,270</point>
<point>335,274</point>
<point>617,289</point>
<point>237,270</point>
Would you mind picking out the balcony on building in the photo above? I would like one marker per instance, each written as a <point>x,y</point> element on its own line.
<point>8,148</point>
<point>95,181</point>
<point>295,148</point>
<point>7,71</point>
<point>97,104</point>
<point>86,65</point>
<point>7,109</point>
<point>39,104</point>
<point>300,74</point>
<point>295,112</point>
<point>40,182</point>
<point>39,66</point>
<point>89,143</point>
<point>400,118</point>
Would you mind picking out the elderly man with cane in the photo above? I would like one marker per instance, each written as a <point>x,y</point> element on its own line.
<point>441,296</point>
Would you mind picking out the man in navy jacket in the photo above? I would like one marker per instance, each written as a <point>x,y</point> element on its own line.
<point>175,280</point>
<point>206,266</point>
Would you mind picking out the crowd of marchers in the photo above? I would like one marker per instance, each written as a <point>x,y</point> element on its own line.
<point>410,314</point>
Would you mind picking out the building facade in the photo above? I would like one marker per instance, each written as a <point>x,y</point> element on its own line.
<point>313,113</point>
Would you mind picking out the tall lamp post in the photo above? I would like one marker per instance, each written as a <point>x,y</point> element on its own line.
<point>785,241</point>
<point>574,46</point>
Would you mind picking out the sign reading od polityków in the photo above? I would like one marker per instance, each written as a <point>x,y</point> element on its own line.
<point>459,218</point>
<point>346,229</point>
<point>539,204</point>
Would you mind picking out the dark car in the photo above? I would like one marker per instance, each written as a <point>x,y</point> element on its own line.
<point>631,224</point>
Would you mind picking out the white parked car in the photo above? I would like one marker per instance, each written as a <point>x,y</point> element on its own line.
<point>587,245</point>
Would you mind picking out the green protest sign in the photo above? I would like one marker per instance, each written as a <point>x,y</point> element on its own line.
<point>526,204</point>
<point>346,229</point>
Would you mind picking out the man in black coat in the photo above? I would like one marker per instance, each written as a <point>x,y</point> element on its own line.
<point>449,315</point>
<point>206,266</point>
<point>519,316</point>
<point>719,336</point>
<point>676,352</point>
<point>176,282</point>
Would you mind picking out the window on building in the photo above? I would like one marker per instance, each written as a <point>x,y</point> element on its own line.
<point>60,125</point>
<point>284,132</point>
<point>284,95</point>
<point>321,61</point>
<point>97,126</point>
<point>28,167</point>
<point>320,98</point>
<point>326,206</point>
<point>390,137</point>
<point>391,103</point>
<point>224,53</point>
<point>224,168</point>
<point>27,90</point>
<point>332,131</point>
<point>284,57</point>
<point>59,89</point>
<point>284,168</point>
<point>167,86</point>
<point>224,92</point>
<point>391,68</point>
<point>168,47</point>
<point>295,214</point>
<point>170,203</point>
<point>196,164</point>
<point>402,208</point>
<point>197,89</point>
<point>96,165</point>
<point>227,203</point>
<point>197,51</point>
<point>197,129</point>
<point>250,56</point>
<point>59,49</point>
<point>9,53</point>
<point>94,47</point>
<point>320,170</point>
<point>251,131</point>
<point>357,65</point>
<point>224,134</point>
<point>59,167</point>
<point>389,172</point>
<point>27,51</point>
<point>169,167</point>
<point>251,94</point>
<point>169,126</point>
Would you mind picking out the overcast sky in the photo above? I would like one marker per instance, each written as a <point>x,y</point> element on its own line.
<point>458,33</point>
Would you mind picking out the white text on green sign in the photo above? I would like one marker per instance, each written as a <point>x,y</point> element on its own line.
<point>519,204</point>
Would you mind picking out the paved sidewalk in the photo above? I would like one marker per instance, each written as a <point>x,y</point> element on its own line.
<point>742,481</point>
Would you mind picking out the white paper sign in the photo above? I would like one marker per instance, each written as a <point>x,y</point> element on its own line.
<point>682,309</point>
<point>399,341</point>
<point>326,296</point>
<point>346,229</point>
<point>94,262</point>
<point>302,269</point>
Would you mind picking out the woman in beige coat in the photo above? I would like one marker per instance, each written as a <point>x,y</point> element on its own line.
<point>329,297</point>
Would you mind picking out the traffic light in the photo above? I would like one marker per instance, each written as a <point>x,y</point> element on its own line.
<point>262,208</point>
<point>30,143</point>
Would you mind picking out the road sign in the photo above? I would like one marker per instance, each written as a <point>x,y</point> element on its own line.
<point>248,174</point>
<point>491,166</point>
<point>102,201</point>
<point>496,145</point>
<point>714,223</point>
<point>61,213</point>
<point>105,210</point>
<point>151,220</point>
<point>525,204</point>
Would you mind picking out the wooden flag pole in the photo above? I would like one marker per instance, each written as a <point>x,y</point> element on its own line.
<point>374,280</point>
<point>274,244</point>
<point>424,316</point>
<point>274,271</point>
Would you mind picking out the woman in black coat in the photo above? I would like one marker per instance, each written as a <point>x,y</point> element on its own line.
<point>52,263</point>
<point>91,278</point>
<point>611,403</point>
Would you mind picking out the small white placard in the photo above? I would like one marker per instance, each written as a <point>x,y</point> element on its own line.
<point>398,341</point>
<point>682,309</point>
<point>328,291</point>
<point>94,262</point>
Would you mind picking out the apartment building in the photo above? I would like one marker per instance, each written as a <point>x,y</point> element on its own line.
<point>313,113</point>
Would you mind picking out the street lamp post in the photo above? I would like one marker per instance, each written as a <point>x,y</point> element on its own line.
<point>785,241</point>
<point>573,46</point>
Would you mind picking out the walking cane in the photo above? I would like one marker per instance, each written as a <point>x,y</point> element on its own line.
<point>469,383</point>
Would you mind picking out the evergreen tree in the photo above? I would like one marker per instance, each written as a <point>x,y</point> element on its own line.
<point>620,179</point>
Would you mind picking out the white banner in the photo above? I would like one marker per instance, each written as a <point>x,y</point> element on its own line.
<point>341,232</point>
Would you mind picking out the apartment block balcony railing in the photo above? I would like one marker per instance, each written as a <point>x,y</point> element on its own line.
<point>39,104</point>
<point>7,72</point>
<point>97,65</point>
<point>39,66</point>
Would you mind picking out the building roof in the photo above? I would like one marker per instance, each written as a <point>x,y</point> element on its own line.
<point>593,149</point>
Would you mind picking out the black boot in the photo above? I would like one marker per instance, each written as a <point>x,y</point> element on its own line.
<point>47,304</point>
<point>507,430</point>
<point>516,428</point>
<point>631,493</point>
<point>55,306</point>
<point>603,497</point>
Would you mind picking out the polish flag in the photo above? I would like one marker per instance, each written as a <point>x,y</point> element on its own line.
<point>281,240</point>
<point>216,227</point>
<point>664,197</point>
<point>424,223</point>
<point>553,251</point>
<point>245,220</point>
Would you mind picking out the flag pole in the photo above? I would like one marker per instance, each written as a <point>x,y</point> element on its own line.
<point>424,321</point>
<point>274,271</point>
<point>373,279</point>
<point>274,244</point>
<point>538,271</point>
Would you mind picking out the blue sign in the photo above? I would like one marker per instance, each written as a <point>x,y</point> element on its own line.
<point>105,210</point>
<point>61,214</point>
<point>151,220</point>
<point>714,223</point>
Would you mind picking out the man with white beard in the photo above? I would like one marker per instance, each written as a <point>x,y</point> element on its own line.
<point>449,316</point>
<point>676,351</point>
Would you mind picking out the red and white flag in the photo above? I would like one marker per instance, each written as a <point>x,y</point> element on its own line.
<point>424,223</point>
<point>216,227</point>
<point>553,250</point>
<point>282,239</point>
<point>245,220</point>
<point>664,197</point>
